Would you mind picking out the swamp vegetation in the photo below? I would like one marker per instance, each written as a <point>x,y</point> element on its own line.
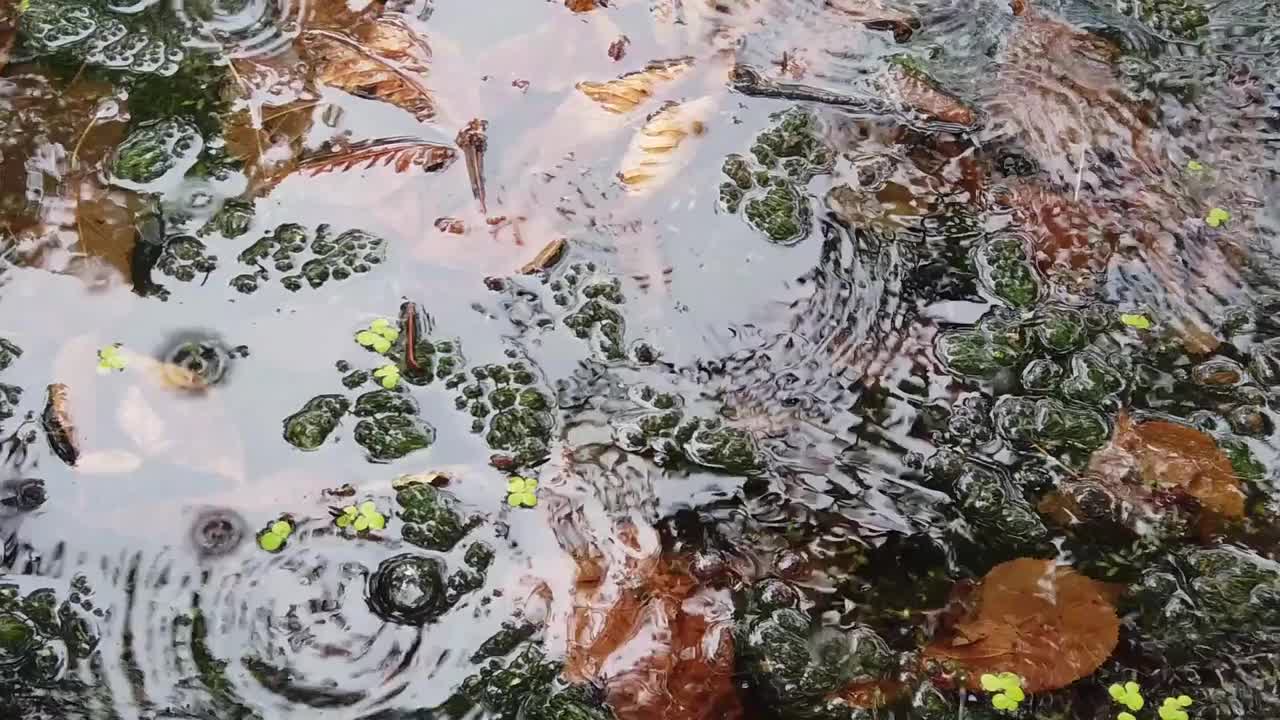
<point>639,359</point>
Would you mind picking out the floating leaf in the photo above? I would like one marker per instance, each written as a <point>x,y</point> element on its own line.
<point>1041,621</point>
<point>1217,217</point>
<point>400,153</point>
<point>522,492</point>
<point>1135,321</point>
<point>110,358</point>
<point>625,93</point>
<point>1195,166</point>
<point>388,375</point>
<point>1175,458</point>
<point>654,156</point>
<point>380,59</point>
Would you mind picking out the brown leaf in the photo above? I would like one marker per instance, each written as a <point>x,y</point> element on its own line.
<point>340,13</point>
<point>381,59</point>
<point>663,647</point>
<point>59,427</point>
<point>105,225</point>
<point>399,153</point>
<point>1176,458</point>
<point>271,151</point>
<point>628,91</point>
<point>1035,618</point>
<point>581,6</point>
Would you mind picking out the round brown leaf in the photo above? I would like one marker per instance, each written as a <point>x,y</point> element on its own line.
<point>1037,619</point>
<point>1182,459</point>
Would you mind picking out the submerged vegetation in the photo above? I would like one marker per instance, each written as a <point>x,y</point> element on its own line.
<point>918,367</point>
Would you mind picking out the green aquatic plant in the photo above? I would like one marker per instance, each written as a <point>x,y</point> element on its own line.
<point>522,492</point>
<point>273,538</point>
<point>1006,689</point>
<point>1174,708</point>
<point>111,359</point>
<point>388,376</point>
<point>378,336</point>
<point>361,518</point>
<point>1128,695</point>
<point>1135,320</point>
<point>1217,217</point>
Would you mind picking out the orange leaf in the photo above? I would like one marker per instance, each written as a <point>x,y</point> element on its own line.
<point>1037,619</point>
<point>400,153</point>
<point>1178,458</point>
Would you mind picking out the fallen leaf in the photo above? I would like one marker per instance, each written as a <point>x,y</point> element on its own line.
<point>625,93</point>
<point>105,224</point>
<point>340,13</point>
<point>1176,458</point>
<point>59,427</point>
<point>271,149</point>
<point>546,258</point>
<point>654,155</point>
<point>381,59</point>
<point>400,153</point>
<point>581,6</point>
<point>661,644</point>
<point>1042,621</point>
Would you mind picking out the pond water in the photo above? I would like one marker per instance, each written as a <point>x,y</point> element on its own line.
<point>690,359</point>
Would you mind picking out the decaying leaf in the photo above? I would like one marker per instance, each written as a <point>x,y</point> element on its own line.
<point>340,13</point>
<point>581,6</point>
<point>381,59</point>
<point>628,91</point>
<point>655,154</point>
<point>1175,458</point>
<point>1035,618</point>
<point>271,151</point>
<point>400,153</point>
<point>661,644</point>
<point>58,426</point>
<point>546,258</point>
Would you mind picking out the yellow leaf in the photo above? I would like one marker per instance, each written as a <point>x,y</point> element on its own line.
<point>625,93</point>
<point>655,154</point>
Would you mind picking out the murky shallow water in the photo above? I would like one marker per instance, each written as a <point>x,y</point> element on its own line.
<point>861,352</point>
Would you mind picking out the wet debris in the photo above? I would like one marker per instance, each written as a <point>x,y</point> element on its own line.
<point>451,225</point>
<point>58,425</point>
<point>473,141</point>
<point>618,48</point>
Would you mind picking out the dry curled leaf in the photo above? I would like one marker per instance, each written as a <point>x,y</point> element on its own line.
<point>1037,619</point>
<point>1175,458</point>
<point>581,6</point>
<point>401,154</point>
<point>381,59</point>
<point>625,93</point>
<point>655,154</point>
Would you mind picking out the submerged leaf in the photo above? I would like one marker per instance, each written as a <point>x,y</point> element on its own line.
<point>1175,458</point>
<point>1039,620</point>
<point>655,156</point>
<point>381,59</point>
<point>625,93</point>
